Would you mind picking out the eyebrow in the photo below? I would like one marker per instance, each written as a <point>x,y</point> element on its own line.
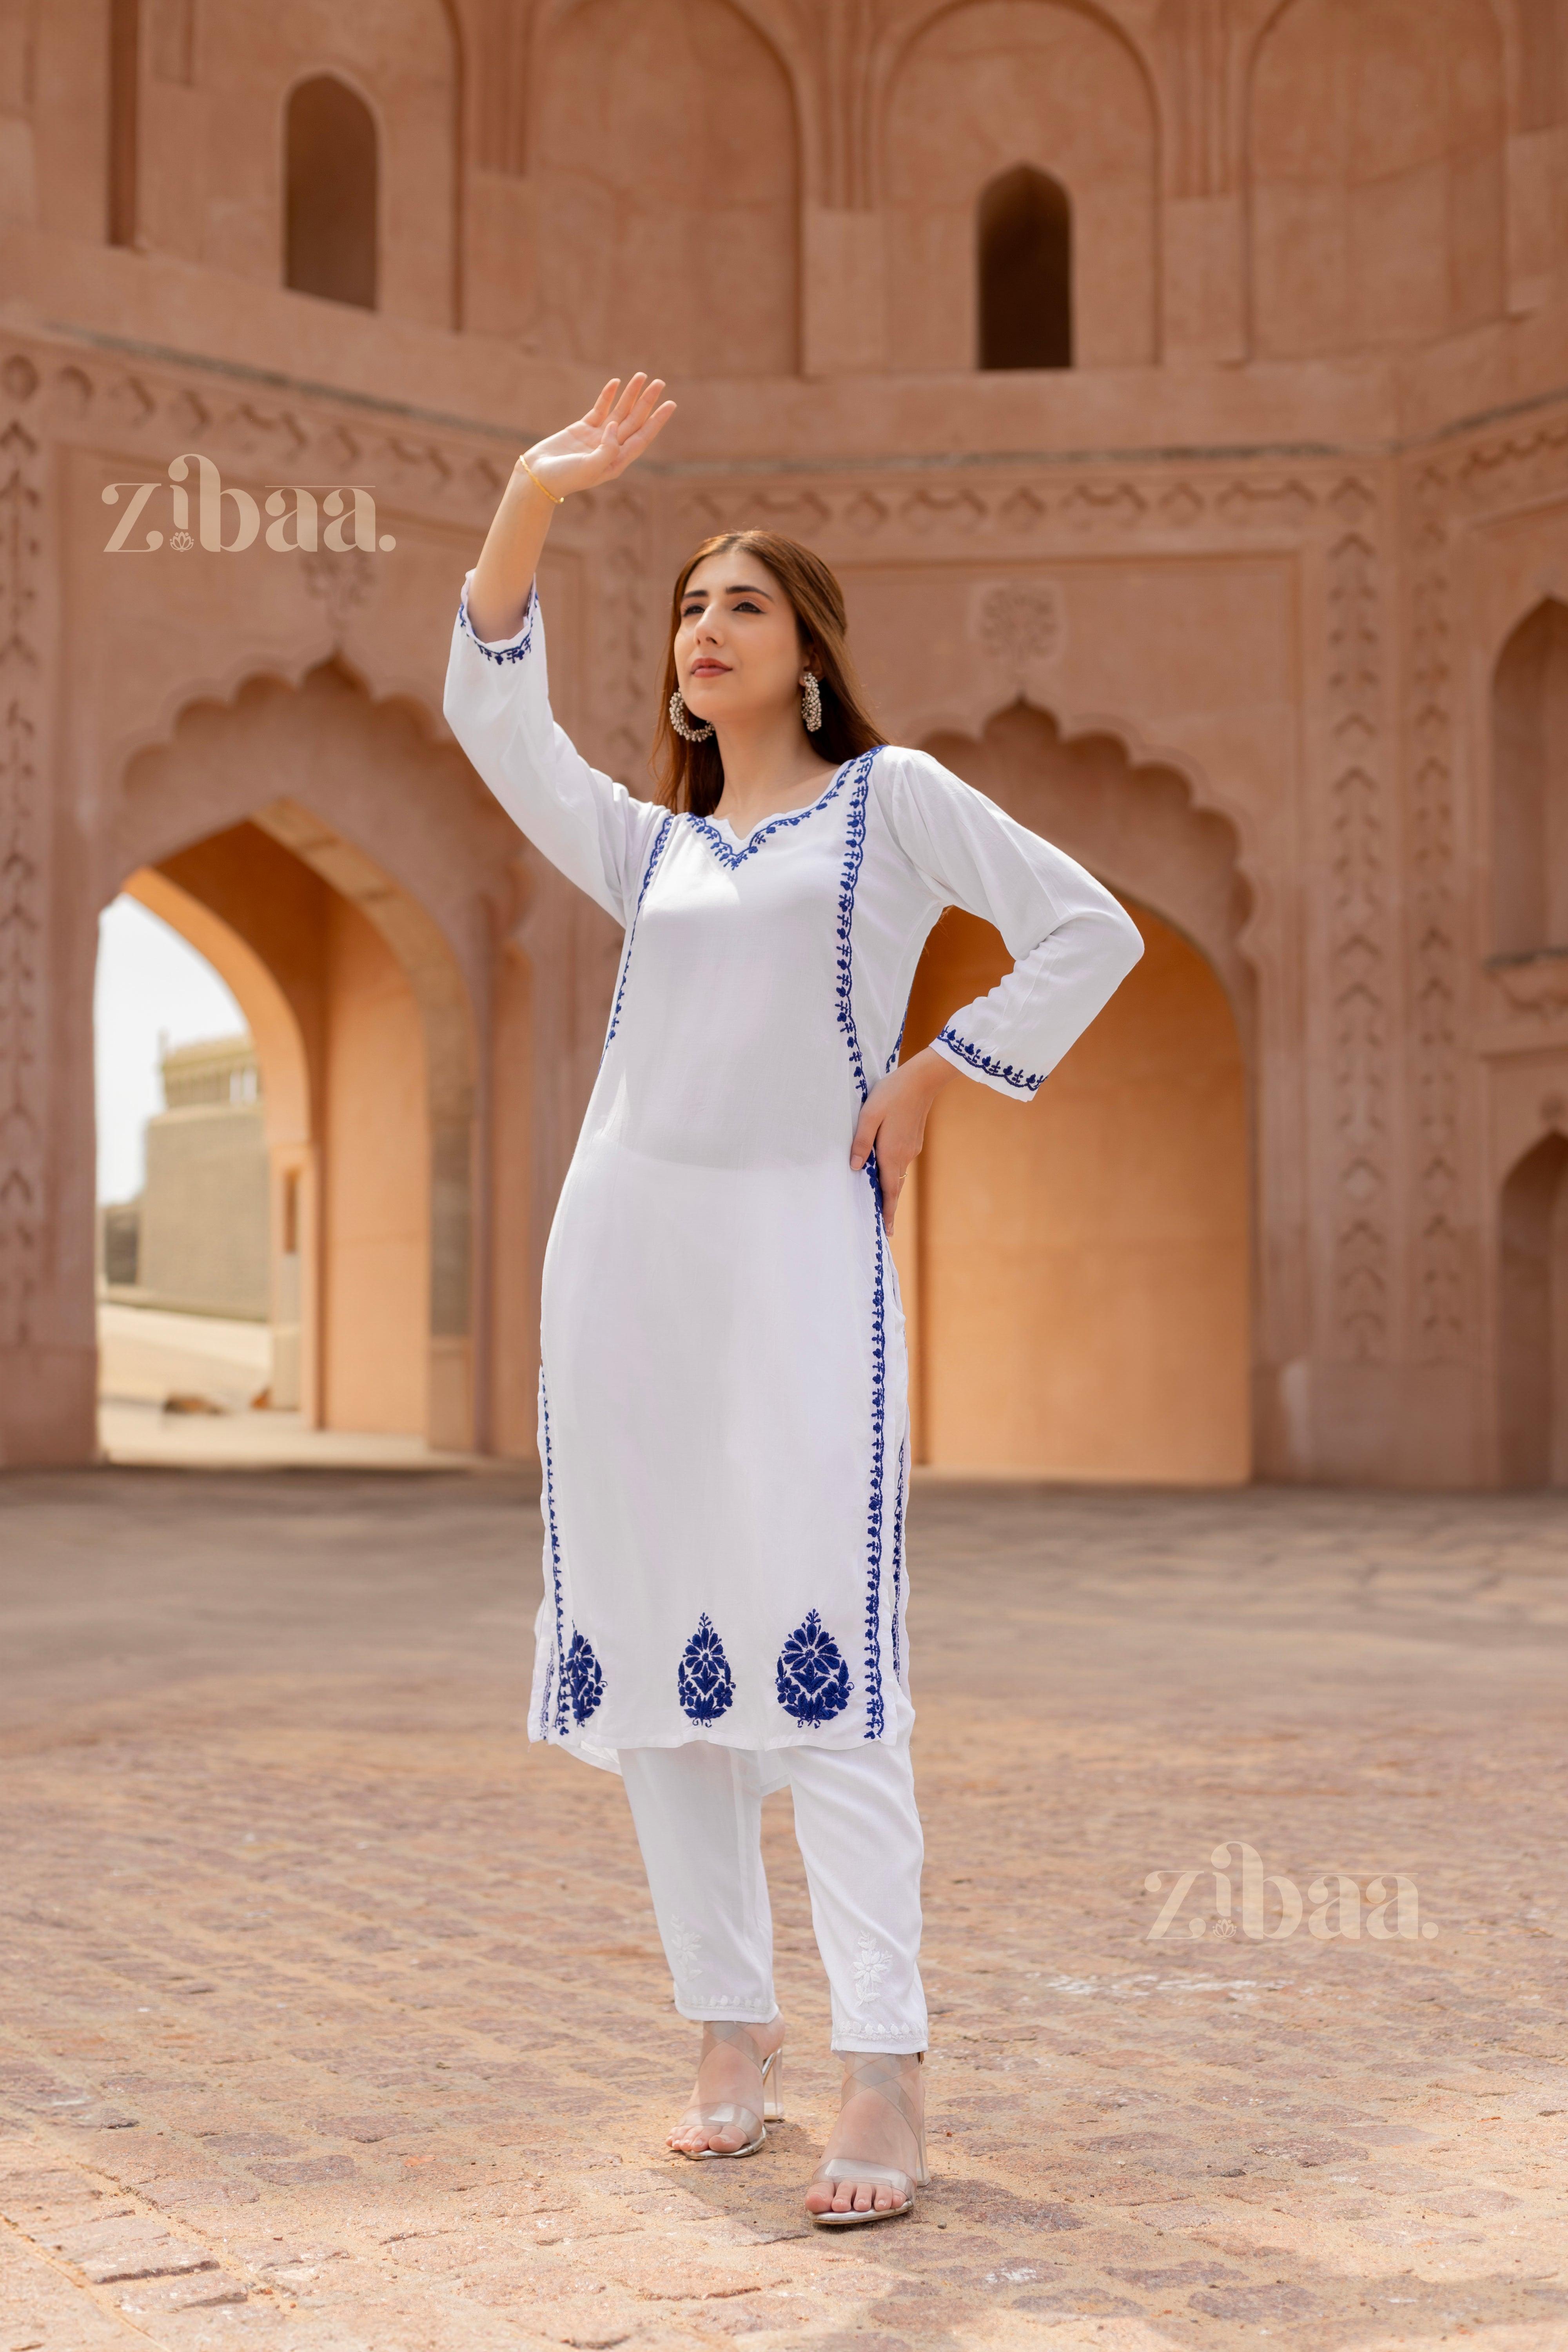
<point>735,588</point>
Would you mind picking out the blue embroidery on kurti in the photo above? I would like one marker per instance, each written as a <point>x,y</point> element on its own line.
<point>897,1555</point>
<point>703,1680</point>
<point>854,851</point>
<point>731,857</point>
<point>560,1657</point>
<point>500,653</point>
<point>874,1717</point>
<point>585,1677</point>
<point>814,1683</point>
<point>854,854</point>
<point>660,837</point>
<point>1025,1081</point>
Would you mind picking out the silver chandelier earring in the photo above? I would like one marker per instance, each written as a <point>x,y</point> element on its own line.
<point>811,702</point>
<point>682,725</point>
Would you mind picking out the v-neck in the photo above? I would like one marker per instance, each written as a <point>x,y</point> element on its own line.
<point>714,828</point>
<point>782,816</point>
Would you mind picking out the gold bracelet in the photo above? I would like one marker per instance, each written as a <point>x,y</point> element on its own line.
<point>538,484</point>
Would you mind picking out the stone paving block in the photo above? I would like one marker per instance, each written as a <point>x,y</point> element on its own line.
<point>319,1975</point>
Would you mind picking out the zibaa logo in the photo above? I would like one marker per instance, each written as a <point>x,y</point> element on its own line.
<point>1393,1912</point>
<point>349,508</point>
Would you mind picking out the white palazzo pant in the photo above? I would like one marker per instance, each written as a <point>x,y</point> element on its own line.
<point>698,1810</point>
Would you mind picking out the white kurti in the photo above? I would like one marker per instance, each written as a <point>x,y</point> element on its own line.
<point>724,1418</point>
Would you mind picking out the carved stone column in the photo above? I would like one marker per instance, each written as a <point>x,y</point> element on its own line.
<point>49,1356</point>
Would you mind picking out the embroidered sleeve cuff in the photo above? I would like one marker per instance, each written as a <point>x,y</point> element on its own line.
<point>1001,1076</point>
<point>501,649</point>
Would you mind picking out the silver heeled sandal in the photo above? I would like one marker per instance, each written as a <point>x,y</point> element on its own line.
<point>870,2071</point>
<point>754,2122</point>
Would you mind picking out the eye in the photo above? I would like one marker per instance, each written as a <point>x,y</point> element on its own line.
<point>745,605</point>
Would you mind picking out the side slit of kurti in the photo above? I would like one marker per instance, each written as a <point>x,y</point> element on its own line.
<point>558,1663</point>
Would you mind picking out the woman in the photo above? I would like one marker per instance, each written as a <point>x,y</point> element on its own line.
<point>722,1414</point>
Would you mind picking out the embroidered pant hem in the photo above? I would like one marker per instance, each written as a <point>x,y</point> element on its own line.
<point>697,1810</point>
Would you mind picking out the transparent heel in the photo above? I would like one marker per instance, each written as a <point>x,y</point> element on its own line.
<point>744,2122</point>
<point>894,2080</point>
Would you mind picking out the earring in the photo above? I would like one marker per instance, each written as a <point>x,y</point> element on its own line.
<point>682,726</point>
<point>811,702</point>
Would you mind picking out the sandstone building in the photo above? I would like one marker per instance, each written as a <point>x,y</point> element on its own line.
<point>1180,387</point>
<point>197,1240</point>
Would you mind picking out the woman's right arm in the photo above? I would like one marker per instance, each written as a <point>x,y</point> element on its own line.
<point>496,700</point>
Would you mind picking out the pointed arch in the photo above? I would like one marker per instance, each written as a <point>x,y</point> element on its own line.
<point>204,808</point>
<point>1532,1317</point>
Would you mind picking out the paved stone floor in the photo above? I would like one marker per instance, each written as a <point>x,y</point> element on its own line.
<point>334,2019</point>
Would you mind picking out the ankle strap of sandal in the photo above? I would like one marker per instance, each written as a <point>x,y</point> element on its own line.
<point>891,2077</point>
<point>742,2037</point>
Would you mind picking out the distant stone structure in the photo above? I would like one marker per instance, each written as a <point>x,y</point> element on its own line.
<point>195,1239</point>
<point>1181,389</point>
<point>203,1245</point>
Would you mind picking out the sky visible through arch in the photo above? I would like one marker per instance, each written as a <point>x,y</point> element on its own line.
<point>152,989</point>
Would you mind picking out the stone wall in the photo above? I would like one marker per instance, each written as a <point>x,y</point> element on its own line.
<point>1232,607</point>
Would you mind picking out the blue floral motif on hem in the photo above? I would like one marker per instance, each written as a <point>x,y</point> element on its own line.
<point>660,837</point>
<point>560,1658</point>
<point>585,1677</point>
<point>1024,1081</point>
<point>812,1680</point>
<point>703,1680</point>
<point>500,652</point>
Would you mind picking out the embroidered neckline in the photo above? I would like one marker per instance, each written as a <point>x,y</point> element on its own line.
<point>737,855</point>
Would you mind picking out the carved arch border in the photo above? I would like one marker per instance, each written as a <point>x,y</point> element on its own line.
<point>1140,756</point>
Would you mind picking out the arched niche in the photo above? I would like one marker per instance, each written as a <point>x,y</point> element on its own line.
<point>1529,785</point>
<point>980,89</point>
<point>666,152</point>
<point>1081,1302</point>
<point>1077,1272</point>
<point>1023,264</point>
<point>1375,174</point>
<point>1532,1318</point>
<point>378,993</point>
<point>331,193</point>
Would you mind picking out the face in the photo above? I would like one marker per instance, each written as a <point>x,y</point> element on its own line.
<point>737,646</point>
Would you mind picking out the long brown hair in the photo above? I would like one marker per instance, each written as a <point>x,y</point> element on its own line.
<point>691,776</point>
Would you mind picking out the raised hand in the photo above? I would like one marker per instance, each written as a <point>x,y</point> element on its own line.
<point>619,427</point>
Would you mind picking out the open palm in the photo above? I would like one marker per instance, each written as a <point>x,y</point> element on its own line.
<point>617,430</point>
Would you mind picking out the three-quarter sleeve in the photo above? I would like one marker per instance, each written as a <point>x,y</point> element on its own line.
<point>497,704</point>
<point>1073,943</point>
